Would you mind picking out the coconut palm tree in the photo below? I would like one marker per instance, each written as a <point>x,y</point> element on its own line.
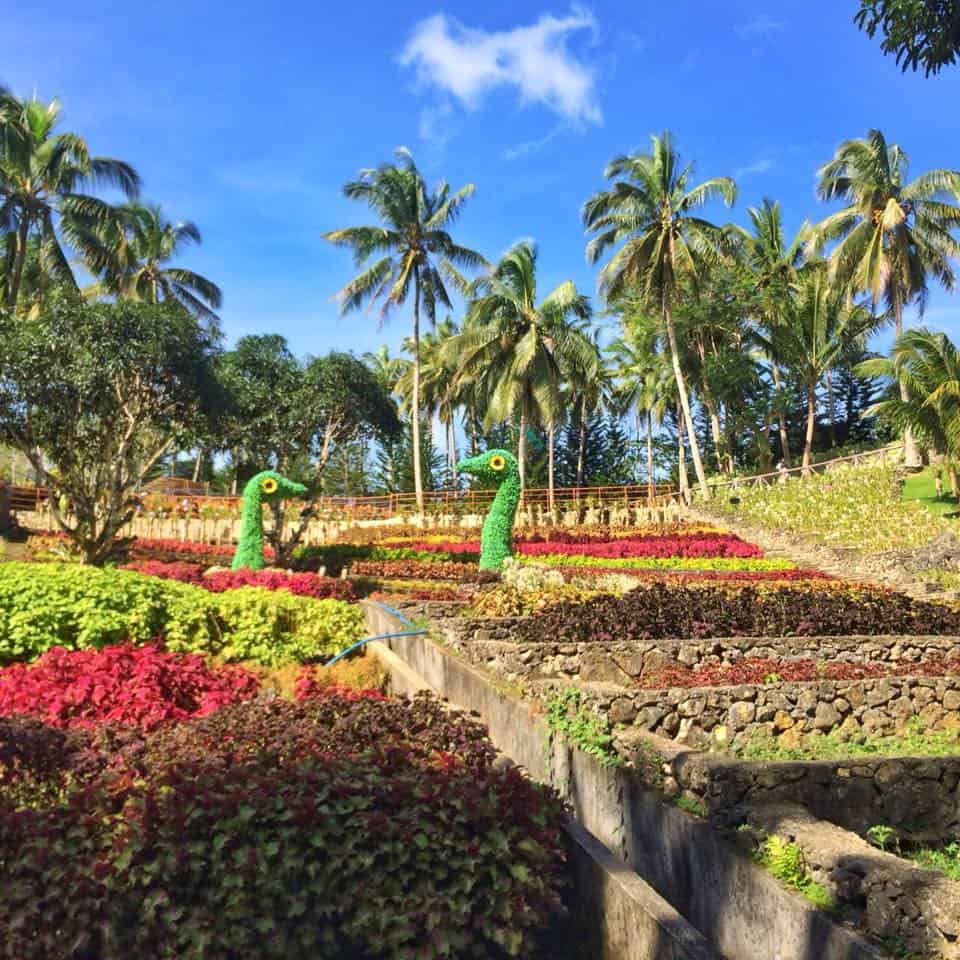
<point>927,364</point>
<point>41,175</point>
<point>895,234</point>
<point>132,253</point>
<point>821,326</point>
<point>773,266</point>
<point>648,214</point>
<point>414,253</point>
<point>518,349</point>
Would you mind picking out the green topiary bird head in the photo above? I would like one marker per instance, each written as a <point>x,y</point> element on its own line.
<point>494,466</point>
<point>496,539</point>
<point>264,487</point>
<point>268,485</point>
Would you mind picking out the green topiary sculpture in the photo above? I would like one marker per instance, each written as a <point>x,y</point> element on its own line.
<point>265,487</point>
<point>496,540</point>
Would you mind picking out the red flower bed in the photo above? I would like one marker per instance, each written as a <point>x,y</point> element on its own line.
<point>175,570</point>
<point>757,670</point>
<point>146,548</point>
<point>649,545</point>
<point>309,685</point>
<point>302,584</point>
<point>121,684</point>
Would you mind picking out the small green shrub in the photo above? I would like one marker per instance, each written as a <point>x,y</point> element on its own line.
<point>785,861</point>
<point>587,730</point>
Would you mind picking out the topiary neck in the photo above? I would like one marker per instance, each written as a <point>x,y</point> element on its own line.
<point>250,547</point>
<point>496,539</point>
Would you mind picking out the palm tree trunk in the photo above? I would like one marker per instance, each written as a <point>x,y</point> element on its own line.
<point>831,408</point>
<point>196,466</point>
<point>811,420</point>
<point>715,429</point>
<point>453,452</point>
<point>522,451</point>
<point>782,418</point>
<point>582,445</point>
<point>651,490</point>
<point>550,438</point>
<point>415,398</point>
<point>954,485</point>
<point>685,403</point>
<point>23,232</point>
<point>911,456</point>
<point>681,457</point>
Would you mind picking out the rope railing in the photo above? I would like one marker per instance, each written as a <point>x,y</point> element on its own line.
<point>31,498</point>
<point>774,475</point>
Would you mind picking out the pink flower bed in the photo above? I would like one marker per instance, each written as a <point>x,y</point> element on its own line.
<point>122,684</point>
<point>682,576</point>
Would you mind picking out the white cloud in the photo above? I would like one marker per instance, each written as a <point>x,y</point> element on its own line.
<point>532,146</point>
<point>763,26</point>
<point>760,165</point>
<point>468,63</point>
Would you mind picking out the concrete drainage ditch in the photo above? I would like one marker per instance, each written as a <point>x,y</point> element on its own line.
<point>688,892</point>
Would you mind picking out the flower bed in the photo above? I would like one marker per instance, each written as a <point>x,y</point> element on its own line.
<point>67,605</point>
<point>693,576</point>
<point>217,581</point>
<point>658,610</point>
<point>660,563</point>
<point>329,828</point>
<point>122,684</point>
<point>754,670</point>
<point>418,570</point>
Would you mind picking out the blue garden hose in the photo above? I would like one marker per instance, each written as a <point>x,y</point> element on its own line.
<point>412,632</point>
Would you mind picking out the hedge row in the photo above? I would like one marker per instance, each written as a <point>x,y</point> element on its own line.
<point>66,605</point>
<point>332,828</point>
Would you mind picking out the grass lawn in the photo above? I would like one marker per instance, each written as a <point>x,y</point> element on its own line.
<point>921,488</point>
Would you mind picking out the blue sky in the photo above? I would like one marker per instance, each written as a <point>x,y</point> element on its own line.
<point>248,117</point>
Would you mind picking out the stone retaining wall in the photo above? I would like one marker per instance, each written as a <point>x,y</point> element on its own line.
<point>488,643</point>
<point>719,715</point>
<point>920,796</point>
<point>894,899</point>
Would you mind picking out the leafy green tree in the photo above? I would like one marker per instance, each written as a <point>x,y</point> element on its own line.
<point>413,250</point>
<point>648,214</point>
<point>517,348</point>
<point>132,255</point>
<point>93,396</point>
<point>292,416</point>
<point>894,235</point>
<point>920,33</point>
<point>42,174</point>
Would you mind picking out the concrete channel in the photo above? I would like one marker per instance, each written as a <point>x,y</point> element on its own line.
<point>652,882</point>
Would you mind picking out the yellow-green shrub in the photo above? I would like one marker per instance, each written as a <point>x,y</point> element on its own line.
<point>76,607</point>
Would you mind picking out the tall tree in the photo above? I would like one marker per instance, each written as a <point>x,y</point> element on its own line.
<point>895,234</point>
<point>132,254</point>
<point>42,174</point>
<point>648,214</point>
<point>94,395</point>
<point>820,325</point>
<point>773,266</point>
<point>517,347</point>
<point>414,252</point>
